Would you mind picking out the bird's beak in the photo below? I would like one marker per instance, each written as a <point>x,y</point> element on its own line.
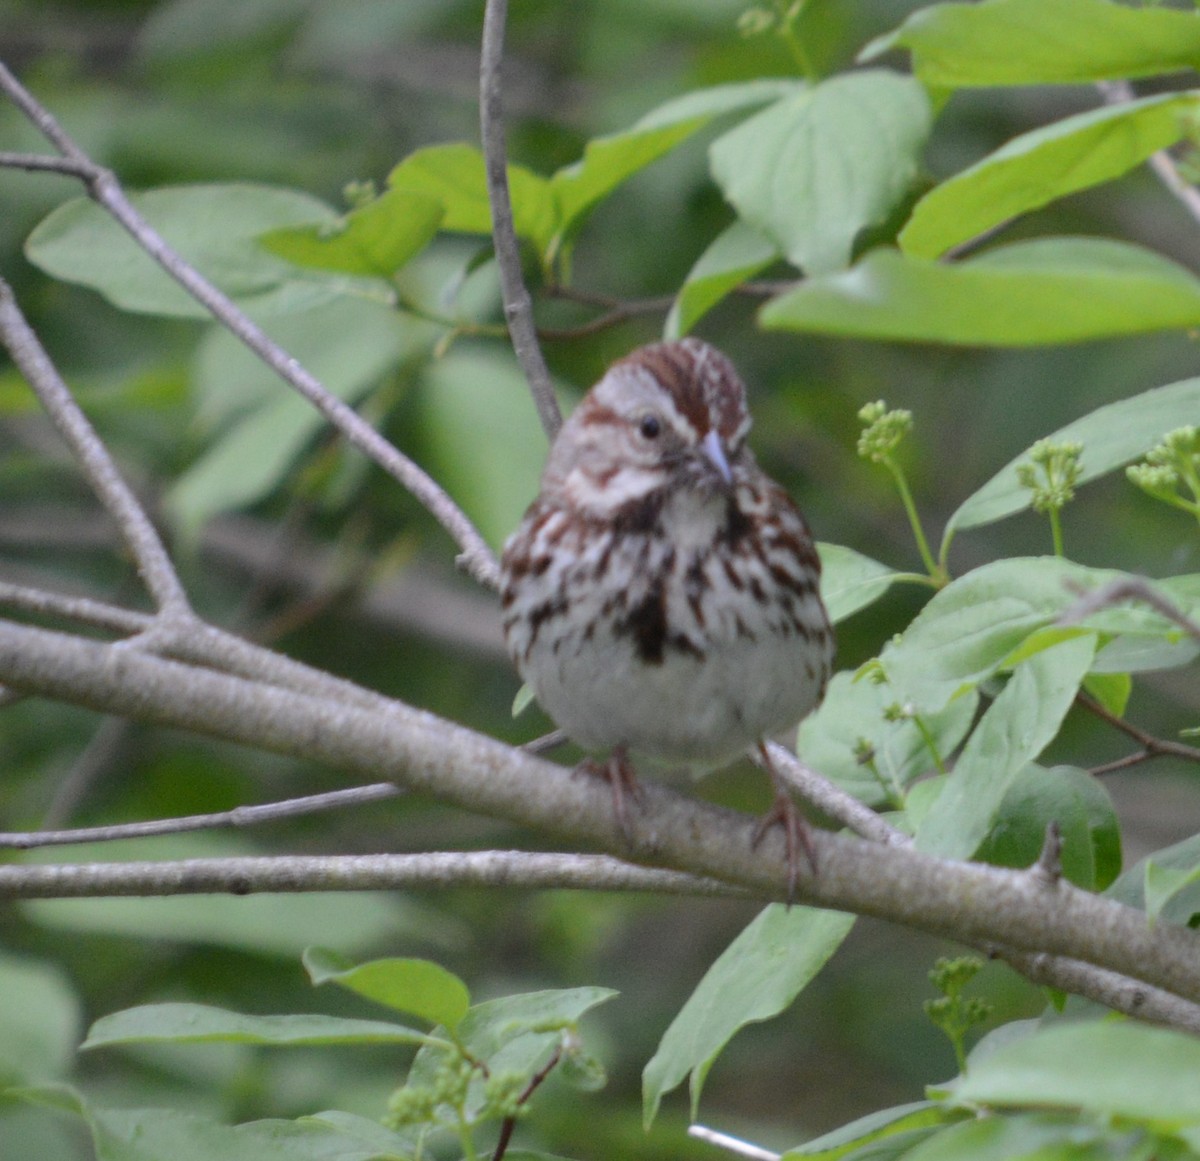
<point>714,451</point>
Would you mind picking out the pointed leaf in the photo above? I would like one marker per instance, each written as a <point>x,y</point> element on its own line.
<point>733,256</point>
<point>972,627</point>
<point>755,978</point>
<point>214,227</point>
<point>872,1128</point>
<point>851,581</point>
<point>1024,42</point>
<point>1104,1067</point>
<point>202,1024</point>
<point>416,986</point>
<point>1018,725</point>
<point>610,160</point>
<point>1039,167</point>
<point>376,239</point>
<point>812,171</point>
<point>1112,436</point>
<point>1166,885</point>
<point>455,175</point>
<point>1050,290</point>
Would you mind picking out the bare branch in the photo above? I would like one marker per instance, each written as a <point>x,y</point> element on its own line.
<point>518,306</point>
<point>476,557</point>
<point>1163,164</point>
<point>86,611</point>
<point>239,816</point>
<point>304,873</point>
<point>966,901</point>
<point>1152,746</point>
<point>41,163</point>
<point>137,531</point>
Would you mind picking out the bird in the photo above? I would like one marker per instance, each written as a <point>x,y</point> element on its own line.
<point>661,594</point>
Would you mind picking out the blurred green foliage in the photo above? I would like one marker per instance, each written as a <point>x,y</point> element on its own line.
<point>283,534</point>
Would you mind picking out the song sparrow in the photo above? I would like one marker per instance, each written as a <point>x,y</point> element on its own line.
<point>660,595</point>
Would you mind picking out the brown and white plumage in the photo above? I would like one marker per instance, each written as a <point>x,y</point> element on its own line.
<point>661,593</point>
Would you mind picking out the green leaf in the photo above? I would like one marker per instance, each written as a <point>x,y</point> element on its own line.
<point>39,1021</point>
<point>736,254</point>
<point>1024,42</point>
<point>1165,885</point>
<point>376,239</point>
<point>1078,803</point>
<point>1044,1136</point>
<point>455,176</point>
<point>853,713</point>
<point>1111,1069</point>
<point>1049,290</point>
<point>1112,436</point>
<point>416,986</point>
<point>348,344</point>
<point>610,160</point>
<point>202,1024</point>
<point>214,227</point>
<point>515,1033</point>
<point>162,1134</point>
<point>873,1128</point>
<point>1111,690</point>
<point>1017,726</point>
<point>974,625</point>
<point>1175,901</point>
<point>755,978</point>
<point>486,447</point>
<point>812,171</point>
<point>1039,167</point>
<point>851,581</point>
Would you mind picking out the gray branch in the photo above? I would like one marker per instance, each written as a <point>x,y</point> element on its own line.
<point>518,307</point>
<point>426,754</point>
<point>476,557</point>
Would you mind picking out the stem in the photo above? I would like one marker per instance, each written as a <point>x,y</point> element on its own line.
<point>930,745</point>
<point>1056,532</point>
<point>937,574</point>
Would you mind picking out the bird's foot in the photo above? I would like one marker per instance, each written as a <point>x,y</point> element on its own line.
<point>796,832</point>
<point>618,772</point>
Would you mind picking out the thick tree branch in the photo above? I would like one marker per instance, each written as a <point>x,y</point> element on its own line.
<point>518,306</point>
<point>476,557</point>
<point>971,902</point>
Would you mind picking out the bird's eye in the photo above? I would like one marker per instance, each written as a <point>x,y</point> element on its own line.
<point>650,427</point>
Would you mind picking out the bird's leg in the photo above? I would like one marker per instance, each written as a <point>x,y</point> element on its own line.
<point>786,814</point>
<point>619,774</point>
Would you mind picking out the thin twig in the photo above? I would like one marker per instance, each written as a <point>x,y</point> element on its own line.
<point>295,874</point>
<point>1124,589</point>
<point>615,315</point>
<point>535,1082</point>
<point>476,557</point>
<point>86,611</point>
<point>1152,746</point>
<point>40,162</point>
<point>239,816</point>
<point>1163,164</point>
<point>136,530</point>
<point>518,306</point>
